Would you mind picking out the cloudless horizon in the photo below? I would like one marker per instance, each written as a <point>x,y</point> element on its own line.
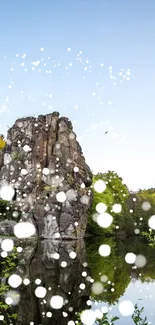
<point>94,62</point>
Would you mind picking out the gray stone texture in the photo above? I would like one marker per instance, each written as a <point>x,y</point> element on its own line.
<point>52,144</point>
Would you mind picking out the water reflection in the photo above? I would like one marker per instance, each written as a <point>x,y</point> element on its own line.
<point>54,266</point>
<point>45,261</point>
<point>118,272</point>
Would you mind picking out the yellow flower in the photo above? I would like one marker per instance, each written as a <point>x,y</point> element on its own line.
<point>2,143</point>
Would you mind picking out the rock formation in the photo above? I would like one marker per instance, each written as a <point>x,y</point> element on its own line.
<point>44,164</point>
<point>44,261</point>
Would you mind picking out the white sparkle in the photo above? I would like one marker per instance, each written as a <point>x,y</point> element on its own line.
<point>126,308</point>
<point>15,281</point>
<point>99,186</point>
<point>56,302</point>
<point>88,317</point>
<point>61,197</point>
<point>130,258</point>
<point>151,222</point>
<point>7,245</point>
<point>24,230</point>
<point>104,250</point>
<point>40,292</point>
<point>7,192</point>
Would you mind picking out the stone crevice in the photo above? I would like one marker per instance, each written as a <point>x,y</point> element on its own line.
<point>48,145</point>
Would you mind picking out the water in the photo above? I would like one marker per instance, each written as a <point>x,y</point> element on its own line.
<point>62,273</point>
<point>130,283</point>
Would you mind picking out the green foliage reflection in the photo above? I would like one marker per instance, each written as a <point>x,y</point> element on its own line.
<point>7,267</point>
<point>114,266</point>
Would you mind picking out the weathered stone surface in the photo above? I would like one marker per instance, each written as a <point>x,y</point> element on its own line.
<point>1,159</point>
<point>6,227</point>
<point>39,162</point>
<point>39,262</point>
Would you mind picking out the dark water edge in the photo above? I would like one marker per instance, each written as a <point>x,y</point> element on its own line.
<point>44,260</point>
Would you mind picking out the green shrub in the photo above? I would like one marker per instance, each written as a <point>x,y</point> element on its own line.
<point>14,155</point>
<point>115,192</point>
<point>3,205</point>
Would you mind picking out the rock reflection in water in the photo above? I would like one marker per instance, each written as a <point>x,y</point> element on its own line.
<point>58,280</point>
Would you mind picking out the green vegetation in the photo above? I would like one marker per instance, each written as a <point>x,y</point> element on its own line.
<point>9,263</point>
<point>134,216</point>
<point>47,188</point>
<point>115,193</point>
<point>3,206</point>
<point>115,268</point>
<point>6,210</point>
<point>134,211</point>
<point>150,237</point>
<point>15,155</point>
<point>7,267</point>
<point>138,320</point>
<point>105,320</point>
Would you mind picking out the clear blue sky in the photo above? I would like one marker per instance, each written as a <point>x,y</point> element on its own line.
<point>119,34</point>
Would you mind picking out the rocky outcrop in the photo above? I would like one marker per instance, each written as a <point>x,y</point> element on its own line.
<point>1,158</point>
<point>7,227</point>
<point>45,165</point>
<point>44,262</point>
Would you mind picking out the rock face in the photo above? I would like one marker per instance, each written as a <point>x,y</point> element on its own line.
<point>44,260</point>
<point>6,227</point>
<point>45,165</point>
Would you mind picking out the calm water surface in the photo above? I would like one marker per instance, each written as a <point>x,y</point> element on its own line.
<point>61,273</point>
<point>129,282</point>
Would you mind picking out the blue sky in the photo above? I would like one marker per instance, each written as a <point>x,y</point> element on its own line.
<point>57,55</point>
